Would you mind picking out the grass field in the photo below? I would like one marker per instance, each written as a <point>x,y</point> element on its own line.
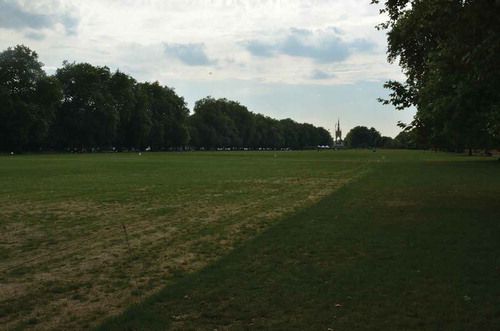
<point>304,240</point>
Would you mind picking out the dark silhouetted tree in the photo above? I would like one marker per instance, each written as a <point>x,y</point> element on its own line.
<point>362,137</point>
<point>169,116</point>
<point>28,100</point>
<point>88,116</point>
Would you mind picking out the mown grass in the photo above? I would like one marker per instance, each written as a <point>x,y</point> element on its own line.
<point>414,244</point>
<point>64,260</point>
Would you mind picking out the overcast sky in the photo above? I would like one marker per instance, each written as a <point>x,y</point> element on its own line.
<point>312,61</point>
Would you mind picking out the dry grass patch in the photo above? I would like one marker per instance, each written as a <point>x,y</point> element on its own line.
<point>67,262</point>
<point>399,203</point>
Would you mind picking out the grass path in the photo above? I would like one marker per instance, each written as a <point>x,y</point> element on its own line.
<point>413,245</point>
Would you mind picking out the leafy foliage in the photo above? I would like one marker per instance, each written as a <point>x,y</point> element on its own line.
<point>88,107</point>
<point>448,51</point>
<point>168,116</point>
<point>362,137</point>
<point>224,123</point>
<point>88,116</point>
<point>28,99</point>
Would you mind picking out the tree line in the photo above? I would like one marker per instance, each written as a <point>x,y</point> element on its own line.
<point>87,106</point>
<point>448,51</point>
<point>363,137</point>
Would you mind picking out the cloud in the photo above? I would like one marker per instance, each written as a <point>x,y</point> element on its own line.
<point>190,54</point>
<point>363,45</point>
<point>70,23</point>
<point>319,75</point>
<point>258,48</point>
<point>301,32</point>
<point>15,16</point>
<point>328,50</point>
<point>323,46</point>
<point>33,35</point>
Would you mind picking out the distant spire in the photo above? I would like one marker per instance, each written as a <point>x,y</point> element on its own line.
<point>338,134</point>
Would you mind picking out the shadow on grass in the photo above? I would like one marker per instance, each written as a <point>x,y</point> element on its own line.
<point>412,246</point>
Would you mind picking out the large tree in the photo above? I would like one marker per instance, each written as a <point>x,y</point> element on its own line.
<point>225,123</point>
<point>269,132</point>
<point>123,90</point>
<point>217,123</point>
<point>448,51</point>
<point>86,106</point>
<point>169,115</point>
<point>88,116</point>
<point>291,133</point>
<point>28,99</point>
<point>362,137</point>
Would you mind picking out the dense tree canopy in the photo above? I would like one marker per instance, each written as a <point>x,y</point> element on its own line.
<point>134,121</point>
<point>448,51</point>
<point>88,116</point>
<point>215,123</point>
<point>362,137</point>
<point>86,107</point>
<point>27,100</point>
<point>169,115</point>
<point>224,123</point>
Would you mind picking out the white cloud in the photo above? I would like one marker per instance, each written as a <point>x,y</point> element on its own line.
<point>288,39</point>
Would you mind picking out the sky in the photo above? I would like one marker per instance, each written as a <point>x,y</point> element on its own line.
<point>313,61</point>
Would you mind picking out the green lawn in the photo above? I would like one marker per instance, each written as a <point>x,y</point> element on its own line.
<point>304,240</point>
<point>63,255</point>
